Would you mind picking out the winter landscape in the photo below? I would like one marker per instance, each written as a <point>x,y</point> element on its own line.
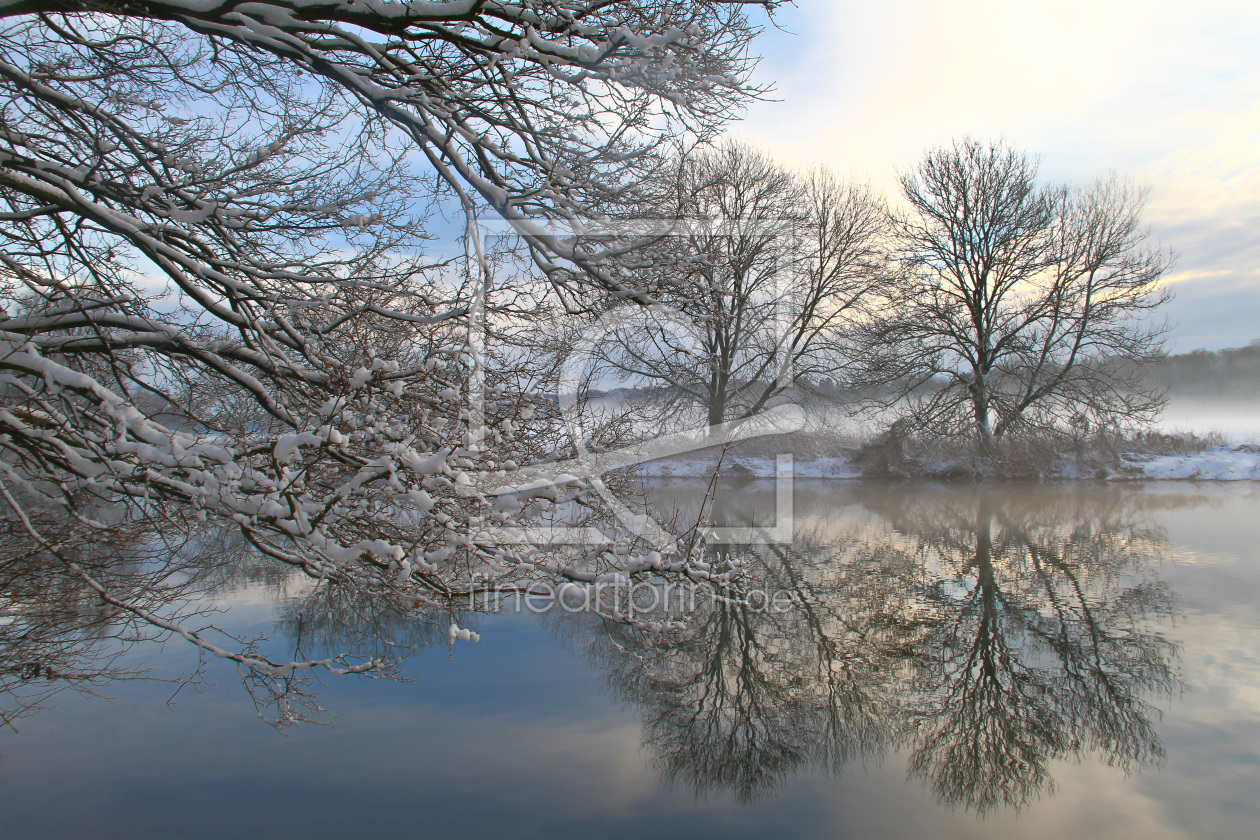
<point>549,418</point>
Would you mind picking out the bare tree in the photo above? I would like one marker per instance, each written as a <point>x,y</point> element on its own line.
<point>219,301</point>
<point>766,267</point>
<point>1017,306</point>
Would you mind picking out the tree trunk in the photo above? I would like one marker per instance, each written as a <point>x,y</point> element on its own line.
<point>980,403</point>
<point>719,395</point>
<point>717,407</point>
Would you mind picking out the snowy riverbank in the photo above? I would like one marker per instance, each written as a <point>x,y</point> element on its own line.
<point>1220,464</point>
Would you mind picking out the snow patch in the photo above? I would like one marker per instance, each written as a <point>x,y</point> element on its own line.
<point>1221,464</point>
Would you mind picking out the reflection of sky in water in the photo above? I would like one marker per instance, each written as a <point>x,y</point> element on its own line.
<point>516,736</point>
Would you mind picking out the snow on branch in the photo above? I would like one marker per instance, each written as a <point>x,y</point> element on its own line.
<point>227,302</point>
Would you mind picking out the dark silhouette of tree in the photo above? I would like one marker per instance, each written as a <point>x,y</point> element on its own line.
<point>1017,306</point>
<point>766,266</point>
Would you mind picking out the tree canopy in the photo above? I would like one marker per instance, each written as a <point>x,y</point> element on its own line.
<point>223,302</point>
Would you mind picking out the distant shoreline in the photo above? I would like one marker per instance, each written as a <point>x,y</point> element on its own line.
<point>1241,463</point>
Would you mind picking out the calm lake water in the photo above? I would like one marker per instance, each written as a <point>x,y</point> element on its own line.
<point>1014,660</point>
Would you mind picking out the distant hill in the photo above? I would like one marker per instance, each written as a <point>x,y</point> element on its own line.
<point>1231,374</point>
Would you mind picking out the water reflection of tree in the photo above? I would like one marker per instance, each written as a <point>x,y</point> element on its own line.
<point>56,634</point>
<point>1044,606</point>
<point>317,619</point>
<point>745,694</point>
<point>987,634</point>
<point>329,619</point>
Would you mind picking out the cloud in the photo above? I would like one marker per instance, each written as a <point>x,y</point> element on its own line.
<point>1161,92</point>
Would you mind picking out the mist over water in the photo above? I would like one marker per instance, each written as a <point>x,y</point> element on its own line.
<point>1212,392</point>
<point>1237,420</point>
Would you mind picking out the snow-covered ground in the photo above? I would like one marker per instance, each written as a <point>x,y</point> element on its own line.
<point>1234,423</point>
<point>1222,464</point>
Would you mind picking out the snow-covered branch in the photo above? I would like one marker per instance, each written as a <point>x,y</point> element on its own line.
<point>227,300</point>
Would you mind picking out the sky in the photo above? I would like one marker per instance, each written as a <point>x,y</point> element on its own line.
<point>1166,94</point>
